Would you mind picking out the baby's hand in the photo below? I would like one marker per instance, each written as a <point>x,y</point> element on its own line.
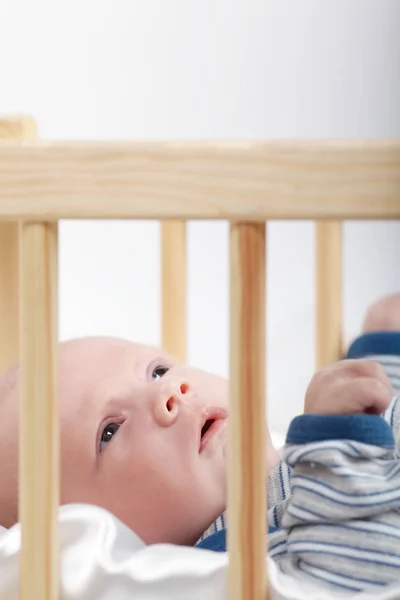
<point>349,387</point>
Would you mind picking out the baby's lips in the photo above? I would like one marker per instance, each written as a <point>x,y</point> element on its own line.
<point>214,420</point>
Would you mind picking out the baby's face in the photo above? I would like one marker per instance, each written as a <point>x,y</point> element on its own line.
<point>143,437</point>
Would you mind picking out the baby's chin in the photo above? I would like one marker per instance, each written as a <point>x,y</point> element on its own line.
<point>216,464</point>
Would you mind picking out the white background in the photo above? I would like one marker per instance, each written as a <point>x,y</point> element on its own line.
<point>162,69</point>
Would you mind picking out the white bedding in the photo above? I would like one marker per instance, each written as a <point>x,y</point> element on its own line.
<point>102,559</point>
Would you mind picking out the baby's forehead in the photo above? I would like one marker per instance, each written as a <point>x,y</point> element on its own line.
<point>108,351</point>
<point>147,350</point>
<point>96,368</point>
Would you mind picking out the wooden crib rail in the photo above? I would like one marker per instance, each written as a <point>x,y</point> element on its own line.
<point>253,181</point>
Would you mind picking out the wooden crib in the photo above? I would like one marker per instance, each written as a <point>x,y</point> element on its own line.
<point>247,183</point>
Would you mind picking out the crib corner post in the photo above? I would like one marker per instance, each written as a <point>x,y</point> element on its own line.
<point>15,129</point>
<point>39,438</point>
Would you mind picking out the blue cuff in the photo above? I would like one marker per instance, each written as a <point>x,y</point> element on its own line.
<point>367,429</point>
<point>217,541</point>
<point>375,342</point>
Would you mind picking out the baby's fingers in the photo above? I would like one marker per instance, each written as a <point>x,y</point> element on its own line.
<point>368,395</point>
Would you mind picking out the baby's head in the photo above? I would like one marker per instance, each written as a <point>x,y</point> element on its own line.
<point>134,438</point>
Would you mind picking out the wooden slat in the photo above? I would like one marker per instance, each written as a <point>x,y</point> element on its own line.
<point>237,181</point>
<point>9,353</point>
<point>328,292</point>
<point>247,462</point>
<point>16,129</point>
<point>173,263</point>
<point>39,415</point>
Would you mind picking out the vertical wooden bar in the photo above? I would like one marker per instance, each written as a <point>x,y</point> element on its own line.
<point>9,353</point>
<point>39,413</point>
<point>328,292</point>
<point>173,264</point>
<point>17,129</point>
<point>247,536</point>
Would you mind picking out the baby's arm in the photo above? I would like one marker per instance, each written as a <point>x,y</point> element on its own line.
<point>342,520</point>
<point>345,387</point>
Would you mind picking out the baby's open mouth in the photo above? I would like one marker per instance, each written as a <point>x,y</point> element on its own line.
<point>211,426</point>
<point>206,426</point>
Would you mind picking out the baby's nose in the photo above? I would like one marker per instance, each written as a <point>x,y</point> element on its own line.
<point>172,394</point>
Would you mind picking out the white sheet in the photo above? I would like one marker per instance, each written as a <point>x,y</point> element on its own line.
<point>102,559</point>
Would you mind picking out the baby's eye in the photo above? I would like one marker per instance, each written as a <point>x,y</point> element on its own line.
<point>158,372</point>
<point>108,432</point>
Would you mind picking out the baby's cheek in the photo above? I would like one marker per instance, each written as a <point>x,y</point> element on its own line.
<point>211,388</point>
<point>218,391</point>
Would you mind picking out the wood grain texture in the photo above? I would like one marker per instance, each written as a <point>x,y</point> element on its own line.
<point>329,297</point>
<point>9,320</point>
<point>173,264</point>
<point>39,415</point>
<point>237,181</point>
<point>16,129</point>
<point>247,462</point>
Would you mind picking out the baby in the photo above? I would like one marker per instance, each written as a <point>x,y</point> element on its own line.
<point>145,437</point>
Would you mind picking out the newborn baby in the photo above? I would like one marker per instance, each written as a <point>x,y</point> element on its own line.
<point>141,436</point>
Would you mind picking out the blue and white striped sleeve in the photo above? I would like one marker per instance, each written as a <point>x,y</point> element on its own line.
<point>278,492</point>
<point>342,520</point>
